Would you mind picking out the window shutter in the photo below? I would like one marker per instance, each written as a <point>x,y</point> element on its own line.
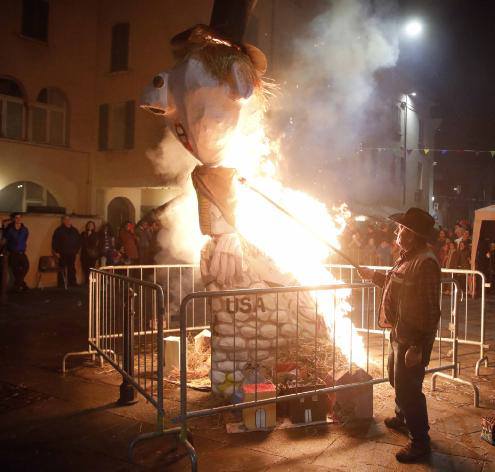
<point>35,19</point>
<point>103,128</point>
<point>129,124</point>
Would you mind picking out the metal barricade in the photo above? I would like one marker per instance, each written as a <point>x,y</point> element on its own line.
<point>177,280</point>
<point>126,329</point>
<point>471,309</point>
<point>128,321</point>
<point>375,345</point>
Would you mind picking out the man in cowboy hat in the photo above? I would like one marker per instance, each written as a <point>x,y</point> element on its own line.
<point>410,308</point>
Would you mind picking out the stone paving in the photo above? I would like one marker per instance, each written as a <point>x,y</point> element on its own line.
<point>53,422</point>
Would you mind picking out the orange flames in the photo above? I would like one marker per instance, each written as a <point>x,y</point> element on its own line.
<point>293,247</point>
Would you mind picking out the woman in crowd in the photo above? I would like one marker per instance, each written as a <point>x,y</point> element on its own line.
<point>106,245</point>
<point>129,243</point>
<point>369,253</point>
<point>460,260</point>
<point>89,249</point>
<point>448,252</point>
<point>443,253</point>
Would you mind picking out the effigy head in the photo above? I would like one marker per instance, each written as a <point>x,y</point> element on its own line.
<point>202,95</point>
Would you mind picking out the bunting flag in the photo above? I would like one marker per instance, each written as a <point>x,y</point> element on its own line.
<point>426,151</point>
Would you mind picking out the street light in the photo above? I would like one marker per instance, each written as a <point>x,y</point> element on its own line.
<point>413,28</point>
<point>405,105</point>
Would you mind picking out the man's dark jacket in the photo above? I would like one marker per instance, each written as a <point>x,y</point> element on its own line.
<point>16,238</point>
<point>411,297</point>
<point>66,240</point>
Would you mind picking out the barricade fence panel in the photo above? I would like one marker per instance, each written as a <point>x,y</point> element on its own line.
<point>179,280</point>
<point>127,329</point>
<point>300,340</point>
<point>471,304</point>
<point>305,341</point>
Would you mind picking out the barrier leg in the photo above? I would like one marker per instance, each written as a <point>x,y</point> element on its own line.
<point>478,365</point>
<point>190,451</point>
<point>127,391</point>
<point>75,354</point>
<point>476,391</point>
<point>192,455</point>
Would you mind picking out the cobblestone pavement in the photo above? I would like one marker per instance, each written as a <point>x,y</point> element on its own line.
<point>53,422</point>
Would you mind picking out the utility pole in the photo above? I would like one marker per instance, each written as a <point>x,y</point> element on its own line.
<point>404,157</point>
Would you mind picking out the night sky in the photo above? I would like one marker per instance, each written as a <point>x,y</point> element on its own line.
<point>454,63</point>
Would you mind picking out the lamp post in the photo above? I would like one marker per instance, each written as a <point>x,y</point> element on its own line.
<point>404,157</point>
<point>412,29</point>
<point>405,105</point>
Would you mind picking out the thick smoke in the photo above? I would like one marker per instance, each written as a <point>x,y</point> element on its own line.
<point>327,90</point>
<point>171,161</point>
<point>180,236</point>
<point>320,110</point>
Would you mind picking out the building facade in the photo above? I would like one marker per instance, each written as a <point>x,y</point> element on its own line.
<point>73,137</point>
<point>395,167</point>
<point>71,134</point>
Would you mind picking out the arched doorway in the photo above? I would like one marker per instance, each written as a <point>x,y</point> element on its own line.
<point>120,209</point>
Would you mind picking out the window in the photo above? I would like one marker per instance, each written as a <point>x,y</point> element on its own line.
<point>396,121</point>
<point>12,109</point>
<point>21,195</point>
<point>35,19</point>
<point>393,165</point>
<point>48,118</point>
<point>419,183</point>
<point>421,133</point>
<point>120,47</point>
<point>116,127</point>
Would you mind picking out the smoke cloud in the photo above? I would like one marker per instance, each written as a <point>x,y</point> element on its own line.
<point>320,111</point>
<point>327,90</point>
<point>180,236</point>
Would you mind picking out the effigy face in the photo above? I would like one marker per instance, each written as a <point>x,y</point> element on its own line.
<point>201,107</point>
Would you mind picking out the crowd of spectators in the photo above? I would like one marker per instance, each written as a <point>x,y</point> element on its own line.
<point>97,247</point>
<point>372,243</point>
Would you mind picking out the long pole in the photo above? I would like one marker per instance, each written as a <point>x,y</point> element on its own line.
<point>404,163</point>
<point>300,222</point>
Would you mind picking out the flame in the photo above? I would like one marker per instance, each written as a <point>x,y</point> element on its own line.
<point>291,246</point>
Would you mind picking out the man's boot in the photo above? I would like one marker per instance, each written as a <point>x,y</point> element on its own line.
<point>413,451</point>
<point>394,422</point>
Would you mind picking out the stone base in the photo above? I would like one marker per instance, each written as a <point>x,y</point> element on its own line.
<point>251,334</point>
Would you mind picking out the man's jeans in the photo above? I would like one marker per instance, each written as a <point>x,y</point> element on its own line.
<point>410,402</point>
<point>67,261</point>
<point>19,265</point>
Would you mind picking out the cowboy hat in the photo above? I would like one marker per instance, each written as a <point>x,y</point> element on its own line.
<point>417,220</point>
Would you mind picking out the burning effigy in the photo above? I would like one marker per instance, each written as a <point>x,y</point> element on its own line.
<point>214,100</point>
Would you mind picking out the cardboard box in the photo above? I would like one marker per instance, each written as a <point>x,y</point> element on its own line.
<point>171,354</point>
<point>307,409</point>
<point>356,402</point>
<point>262,416</point>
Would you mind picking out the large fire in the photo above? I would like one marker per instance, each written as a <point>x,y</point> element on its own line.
<point>292,246</point>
